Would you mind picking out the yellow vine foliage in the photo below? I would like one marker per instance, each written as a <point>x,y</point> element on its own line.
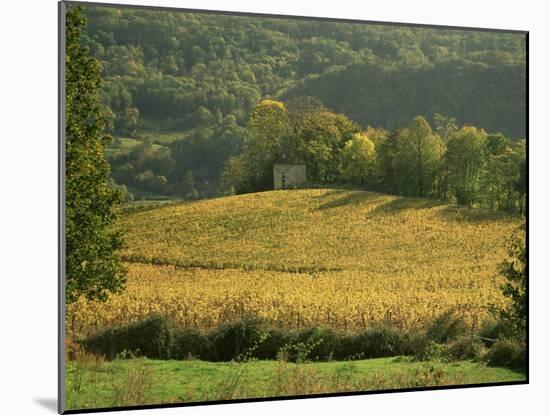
<point>334,258</point>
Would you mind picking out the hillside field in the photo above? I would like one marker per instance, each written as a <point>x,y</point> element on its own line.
<point>345,259</point>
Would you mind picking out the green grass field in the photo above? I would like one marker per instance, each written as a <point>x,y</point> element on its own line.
<point>141,381</point>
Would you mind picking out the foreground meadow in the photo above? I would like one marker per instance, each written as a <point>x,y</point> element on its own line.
<point>333,258</point>
<point>94,383</point>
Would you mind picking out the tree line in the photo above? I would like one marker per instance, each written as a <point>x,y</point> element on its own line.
<point>460,164</point>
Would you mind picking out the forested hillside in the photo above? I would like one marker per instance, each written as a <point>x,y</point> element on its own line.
<point>490,97</point>
<point>180,86</point>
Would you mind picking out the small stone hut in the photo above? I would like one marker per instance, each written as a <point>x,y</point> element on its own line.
<point>288,175</point>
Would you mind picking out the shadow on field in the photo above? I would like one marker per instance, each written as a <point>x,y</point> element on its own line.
<point>331,199</point>
<point>474,215</point>
<point>404,203</point>
<point>344,197</point>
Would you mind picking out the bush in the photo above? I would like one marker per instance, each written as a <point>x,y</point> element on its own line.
<point>190,343</point>
<point>150,338</point>
<point>415,344</point>
<point>318,344</point>
<point>432,351</point>
<point>492,330</point>
<point>157,338</point>
<point>446,328</point>
<point>381,341</point>
<point>508,353</point>
<point>465,348</point>
<point>275,340</point>
<point>237,340</point>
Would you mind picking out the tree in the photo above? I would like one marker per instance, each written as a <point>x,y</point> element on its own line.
<point>512,174</point>
<point>189,190</point>
<point>388,160</point>
<point>419,157</point>
<point>128,122</point>
<point>514,270</point>
<point>323,137</point>
<point>464,160</point>
<point>494,180</point>
<point>269,128</point>
<point>445,126</point>
<point>521,182</point>
<point>300,111</point>
<point>358,159</point>
<point>93,268</point>
<point>269,124</point>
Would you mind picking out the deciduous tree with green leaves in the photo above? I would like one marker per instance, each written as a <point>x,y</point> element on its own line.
<point>464,160</point>
<point>419,158</point>
<point>93,267</point>
<point>358,159</point>
<point>514,269</point>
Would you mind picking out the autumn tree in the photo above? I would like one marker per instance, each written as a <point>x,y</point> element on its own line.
<point>93,268</point>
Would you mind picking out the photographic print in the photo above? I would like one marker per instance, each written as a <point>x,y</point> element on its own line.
<point>269,207</point>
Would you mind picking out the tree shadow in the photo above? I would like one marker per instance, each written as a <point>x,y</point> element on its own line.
<point>475,215</point>
<point>344,197</point>
<point>405,203</point>
<point>381,206</point>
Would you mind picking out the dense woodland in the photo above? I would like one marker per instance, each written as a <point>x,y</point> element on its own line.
<point>201,105</point>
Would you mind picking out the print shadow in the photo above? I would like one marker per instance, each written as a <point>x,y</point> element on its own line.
<point>48,403</point>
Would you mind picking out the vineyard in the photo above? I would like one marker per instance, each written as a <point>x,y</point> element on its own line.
<point>334,258</point>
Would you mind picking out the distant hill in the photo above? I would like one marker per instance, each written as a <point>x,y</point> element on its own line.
<point>489,97</point>
<point>185,70</point>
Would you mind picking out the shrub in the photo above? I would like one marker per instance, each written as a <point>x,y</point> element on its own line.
<point>380,341</point>
<point>465,348</point>
<point>157,338</point>
<point>275,340</point>
<point>508,353</point>
<point>432,351</point>
<point>492,330</point>
<point>321,343</point>
<point>237,340</point>
<point>190,343</point>
<point>150,338</point>
<point>415,344</point>
<point>445,328</point>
